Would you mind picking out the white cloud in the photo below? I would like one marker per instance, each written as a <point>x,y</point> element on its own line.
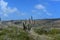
<point>5,9</point>
<point>39,6</point>
<point>43,8</point>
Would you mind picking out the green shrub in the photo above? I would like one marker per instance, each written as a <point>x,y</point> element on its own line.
<point>14,33</point>
<point>57,37</point>
<point>40,31</point>
<point>54,31</point>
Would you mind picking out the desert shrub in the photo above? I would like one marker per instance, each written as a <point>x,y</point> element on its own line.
<point>57,37</point>
<point>41,31</point>
<point>14,33</point>
<point>54,31</point>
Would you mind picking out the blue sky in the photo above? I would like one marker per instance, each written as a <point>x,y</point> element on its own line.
<point>24,9</point>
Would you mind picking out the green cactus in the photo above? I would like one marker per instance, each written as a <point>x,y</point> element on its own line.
<point>24,26</point>
<point>28,24</point>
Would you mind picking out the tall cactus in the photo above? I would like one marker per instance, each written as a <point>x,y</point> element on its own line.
<point>24,27</point>
<point>28,24</point>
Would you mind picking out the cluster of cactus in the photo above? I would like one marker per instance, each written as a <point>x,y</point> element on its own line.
<point>27,25</point>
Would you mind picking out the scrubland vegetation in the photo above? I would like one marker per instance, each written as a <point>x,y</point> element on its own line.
<point>54,33</point>
<point>14,33</point>
<point>30,30</point>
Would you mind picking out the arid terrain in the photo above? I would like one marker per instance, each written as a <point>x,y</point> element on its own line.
<point>39,29</point>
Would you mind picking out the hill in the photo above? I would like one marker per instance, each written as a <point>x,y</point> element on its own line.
<point>35,23</point>
<point>13,29</point>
